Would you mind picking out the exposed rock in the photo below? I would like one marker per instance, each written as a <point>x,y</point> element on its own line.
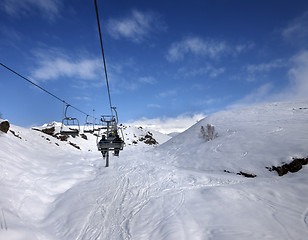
<point>74,145</point>
<point>248,175</point>
<point>4,126</point>
<point>49,131</point>
<point>62,138</point>
<point>148,139</point>
<point>293,166</point>
<point>16,135</point>
<point>84,136</point>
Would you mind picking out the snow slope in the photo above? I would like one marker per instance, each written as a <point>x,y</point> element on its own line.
<point>179,190</point>
<point>249,139</point>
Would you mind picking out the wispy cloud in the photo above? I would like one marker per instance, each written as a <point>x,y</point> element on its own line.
<point>209,48</point>
<point>10,33</point>
<point>208,70</point>
<point>299,75</point>
<point>258,95</point>
<point>207,101</point>
<point>148,80</point>
<point>296,88</point>
<point>54,64</point>
<point>196,46</point>
<point>261,71</point>
<point>11,37</point>
<point>169,125</point>
<point>83,98</point>
<point>297,30</point>
<point>266,67</point>
<point>240,48</point>
<point>153,105</point>
<point>167,93</point>
<point>47,8</point>
<point>136,27</point>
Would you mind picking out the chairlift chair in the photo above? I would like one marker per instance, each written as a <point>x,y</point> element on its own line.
<point>88,127</point>
<point>71,125</point>
<point>108,138</point>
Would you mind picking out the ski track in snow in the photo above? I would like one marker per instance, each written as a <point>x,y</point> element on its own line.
<point>305,218</point>
<point>140,187</point>
<point>274,208</point>
<point>3,223</point>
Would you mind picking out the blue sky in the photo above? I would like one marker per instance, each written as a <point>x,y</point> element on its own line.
<point>167,61</point>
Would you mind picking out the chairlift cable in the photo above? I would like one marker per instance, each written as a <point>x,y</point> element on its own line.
<point>102,48</point>
<point>31,82</point>
<point>64,102</point>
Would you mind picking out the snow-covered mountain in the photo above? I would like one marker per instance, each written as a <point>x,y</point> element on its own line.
<point>159,187</point>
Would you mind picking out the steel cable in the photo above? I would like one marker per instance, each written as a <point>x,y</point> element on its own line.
<point>41,88</point>
<point>102,48</point>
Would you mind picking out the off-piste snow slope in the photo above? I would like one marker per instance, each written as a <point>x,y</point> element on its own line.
<point>185,188</point>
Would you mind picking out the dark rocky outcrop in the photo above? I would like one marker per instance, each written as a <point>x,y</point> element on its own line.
<point>148,139</point>
<point>49,131</point>
<point>293,166</point>
<point>4,126</point>
<point>247,175</point>
<point>84,136</point>
<point>74,145</point>
<point>15,134</point>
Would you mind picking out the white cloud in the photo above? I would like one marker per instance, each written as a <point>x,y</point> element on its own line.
<point>243,47</point>
<point>152,105</point>
<point>259,95</point>
<point>210,48</point>
<point>47,8</point>
<point>266,67</point>
<point>167,93</point>
<point>208,101</point>
<point>296,88</point>
<point>54,64</point>
<point>297,31</point>
<point>135,27</point>
<point>10,33</point>
<point>261,71</point>
<point>148,80</point>
<point>299,75</point>
<point>169,125</point>
<point>196,46</point>
<point>83,98</point>
<point>208,70</point>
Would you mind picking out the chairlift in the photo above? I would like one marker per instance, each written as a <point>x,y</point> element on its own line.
<point>88,127</point>
<point>70,126</point>
<point>108,138</point>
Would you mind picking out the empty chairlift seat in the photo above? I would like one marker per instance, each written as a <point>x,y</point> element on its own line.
<point>70,126</point>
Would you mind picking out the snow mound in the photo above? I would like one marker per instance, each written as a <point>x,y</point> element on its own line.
<point>249,139</point>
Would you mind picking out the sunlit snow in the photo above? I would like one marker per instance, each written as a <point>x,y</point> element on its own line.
<point>183,188</point>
